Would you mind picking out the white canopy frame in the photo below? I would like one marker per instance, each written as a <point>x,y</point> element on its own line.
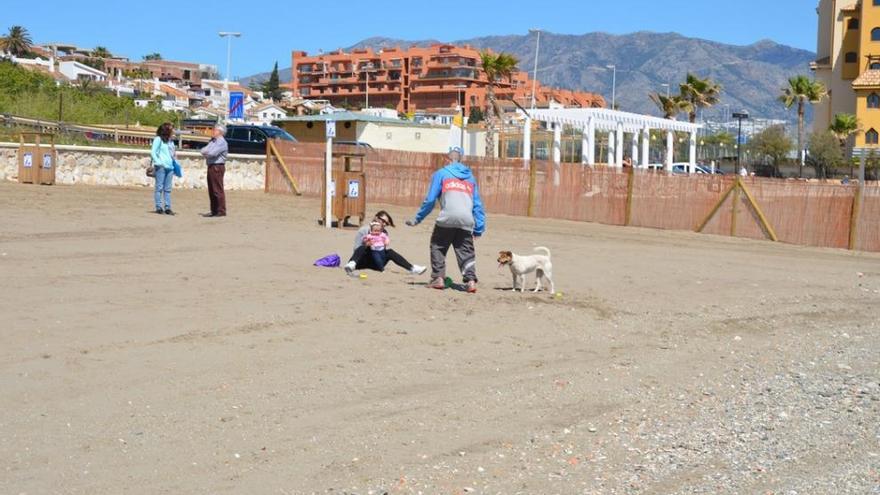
<point>617,124</point>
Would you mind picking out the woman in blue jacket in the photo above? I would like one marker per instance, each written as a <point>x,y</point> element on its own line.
<point>162,154</point>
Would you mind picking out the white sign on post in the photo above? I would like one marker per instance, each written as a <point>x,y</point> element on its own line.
<point>28,160</point>
<point>332,188</point>
<point>354,188</point>
<point>47,160</point>
<point>331,129</point>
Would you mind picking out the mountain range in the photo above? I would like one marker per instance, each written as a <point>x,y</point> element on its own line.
<point>752,76</point>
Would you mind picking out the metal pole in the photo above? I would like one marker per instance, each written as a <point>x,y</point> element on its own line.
<point>613,85</point>
<point>461,113</point>
<point>328,181</point>
<point>535,76</point>
<point>614,88</point>
<point>228,62</point>
<point>228,35</point>
<point>739,146</point>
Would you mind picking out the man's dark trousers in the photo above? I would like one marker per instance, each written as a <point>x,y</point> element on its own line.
<point>215,189</point>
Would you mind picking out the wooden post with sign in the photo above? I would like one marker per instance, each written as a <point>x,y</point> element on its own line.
<point>329,186</point>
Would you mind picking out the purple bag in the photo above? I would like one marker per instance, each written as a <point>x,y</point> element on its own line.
<point>331,261</point>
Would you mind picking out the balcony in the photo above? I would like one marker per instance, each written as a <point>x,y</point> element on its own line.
<point>438,88</point>
<point>466,74</point>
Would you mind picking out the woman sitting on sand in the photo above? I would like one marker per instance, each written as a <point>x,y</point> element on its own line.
<point>362,258</point>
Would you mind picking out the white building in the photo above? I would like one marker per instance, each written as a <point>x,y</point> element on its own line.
<point>266,113</point>
<point>76,71</point>
<point>218,96</point>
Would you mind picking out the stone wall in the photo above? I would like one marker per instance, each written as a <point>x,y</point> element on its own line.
<point>125,167</point>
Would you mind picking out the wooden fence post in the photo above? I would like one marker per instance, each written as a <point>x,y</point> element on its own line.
<point>281,164</point>
<point>854,217</point>
<point>771,233</point>
<point>630,179</point>
<point>715,208</point>
<point>533,179</point>
<point>733,205</point>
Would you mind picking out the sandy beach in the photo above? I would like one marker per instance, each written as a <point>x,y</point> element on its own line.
<point>182,355</point>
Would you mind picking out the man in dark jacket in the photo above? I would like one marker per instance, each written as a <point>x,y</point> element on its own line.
<point>215,155</point>
<point>461,219</point>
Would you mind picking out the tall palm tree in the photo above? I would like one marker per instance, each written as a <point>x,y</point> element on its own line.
<point>496,66</point>
<point>17,41</point>
<point>700,93</point>
<point>101,52</point>
<point>802,90</point>
<point>671,106</point>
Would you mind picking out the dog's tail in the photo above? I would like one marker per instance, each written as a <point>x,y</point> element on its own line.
<point>542,249</point>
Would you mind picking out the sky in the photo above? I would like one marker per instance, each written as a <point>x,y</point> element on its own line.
<point>270,31</point>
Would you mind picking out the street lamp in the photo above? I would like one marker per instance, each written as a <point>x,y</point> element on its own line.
<point>228,35</point>
<point>739,116</point>
<point>535,76</point>
<point>613,68</point>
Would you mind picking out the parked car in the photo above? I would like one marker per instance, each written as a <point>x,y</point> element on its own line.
<point>251,139</point>
<point>682,168</point>
<point>353,143</point>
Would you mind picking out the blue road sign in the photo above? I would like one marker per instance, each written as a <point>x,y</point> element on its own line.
<point>236,105</point>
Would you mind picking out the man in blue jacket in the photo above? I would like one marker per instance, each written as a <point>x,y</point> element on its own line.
<point>461,219</point>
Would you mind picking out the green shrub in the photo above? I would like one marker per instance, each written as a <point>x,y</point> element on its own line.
<point>30,94</point>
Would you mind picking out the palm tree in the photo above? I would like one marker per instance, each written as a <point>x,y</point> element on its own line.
<point>800,91</point>
<point>101,52</point>
<point>700,93</point>
<point>843,126</point>
<point>496,67</point>
<point>671,106</point>
<point>17,41</point>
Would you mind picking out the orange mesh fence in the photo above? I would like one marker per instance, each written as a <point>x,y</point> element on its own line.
<point>867,228</point>
<point>667,202</point>
<point>806,213</point>
<point>810,214</point>
<point>581,193</point>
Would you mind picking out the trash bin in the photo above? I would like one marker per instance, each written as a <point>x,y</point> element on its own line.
<point>37,158</point>
<point>348,189</point>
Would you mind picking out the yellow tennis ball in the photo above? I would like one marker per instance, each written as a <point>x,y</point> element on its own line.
<point>558,295</point>
<point>363,276</point>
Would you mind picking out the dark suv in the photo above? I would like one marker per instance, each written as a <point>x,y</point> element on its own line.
<point>251,139</point>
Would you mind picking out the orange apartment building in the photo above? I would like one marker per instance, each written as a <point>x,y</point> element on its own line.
<point>434,78</point>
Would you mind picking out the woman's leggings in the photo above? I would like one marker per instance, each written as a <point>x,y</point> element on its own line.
<point>363,259</point>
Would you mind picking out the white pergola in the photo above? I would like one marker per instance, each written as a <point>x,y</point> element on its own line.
<point>616,124</point>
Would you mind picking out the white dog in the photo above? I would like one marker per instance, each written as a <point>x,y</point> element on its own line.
<point>521,265</point>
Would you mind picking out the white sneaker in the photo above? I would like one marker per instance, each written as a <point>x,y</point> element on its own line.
<point>349,268</point>
<point>418,269</point>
